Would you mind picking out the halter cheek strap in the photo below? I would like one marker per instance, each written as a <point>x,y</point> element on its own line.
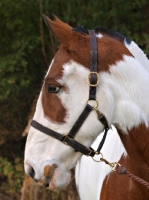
<point>93,81</point>
<point>93,77</point>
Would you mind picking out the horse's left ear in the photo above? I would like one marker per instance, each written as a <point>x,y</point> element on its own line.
<point>64,32</point>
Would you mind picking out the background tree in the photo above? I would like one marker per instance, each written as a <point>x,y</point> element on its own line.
<point>26,49</point>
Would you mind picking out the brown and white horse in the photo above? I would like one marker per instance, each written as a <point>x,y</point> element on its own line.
<point>122,95</point>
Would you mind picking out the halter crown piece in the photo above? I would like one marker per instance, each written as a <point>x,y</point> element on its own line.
<point>93,81</point>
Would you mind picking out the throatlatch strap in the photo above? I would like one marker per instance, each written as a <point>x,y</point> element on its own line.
<point>103,120</point>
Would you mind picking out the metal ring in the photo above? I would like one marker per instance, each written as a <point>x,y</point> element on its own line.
<point>114,166</point>
<point>94,107</point>
<point>100,157</point>
<point>88,80</point>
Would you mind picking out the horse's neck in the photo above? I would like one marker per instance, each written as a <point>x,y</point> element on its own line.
<point>139,103</point>
<point>129,83</point>
<point>132,111</point>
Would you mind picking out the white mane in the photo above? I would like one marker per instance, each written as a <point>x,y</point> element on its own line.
<point>138,54</point>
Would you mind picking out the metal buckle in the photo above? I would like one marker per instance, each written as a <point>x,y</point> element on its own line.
<point>91,151</point>
<point>88,80</point>
<point>89,154</point>
<point>65,137</point>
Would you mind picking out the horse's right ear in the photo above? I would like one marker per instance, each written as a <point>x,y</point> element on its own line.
<point>46,20</point>
<point>65,33</point>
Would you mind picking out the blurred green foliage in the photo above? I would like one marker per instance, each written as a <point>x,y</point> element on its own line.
<point>11,174</point>
<point>26,50</point>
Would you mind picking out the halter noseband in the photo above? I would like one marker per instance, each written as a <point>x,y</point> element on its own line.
<point>93,81</point>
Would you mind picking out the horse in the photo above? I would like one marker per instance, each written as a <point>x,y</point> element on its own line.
<point>98,80</point>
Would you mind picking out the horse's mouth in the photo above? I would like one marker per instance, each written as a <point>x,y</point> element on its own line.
<point>51,182</point>
<point>46,184</point>
<point>43,183</point>
<point>48,174</point>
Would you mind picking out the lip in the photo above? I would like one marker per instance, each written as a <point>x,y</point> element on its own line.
<point>44,183</point>
<point>48,174</point>
<point>53,184</point>
<point>47,183</point>
<point>55,177</point>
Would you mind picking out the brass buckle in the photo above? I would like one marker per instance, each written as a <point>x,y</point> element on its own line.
<point>89,154</point>
<point>88,80</point>
<point>65,137</point>
<point>90,151</point>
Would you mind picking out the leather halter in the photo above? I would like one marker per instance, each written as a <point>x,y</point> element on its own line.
<point>93,81</point>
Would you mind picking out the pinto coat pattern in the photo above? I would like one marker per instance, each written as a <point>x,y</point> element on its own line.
<point>122,96</point>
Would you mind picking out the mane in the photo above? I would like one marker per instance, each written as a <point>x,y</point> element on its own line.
<point>104,31</point>
<point>81,29</point>
<point>113,34</point>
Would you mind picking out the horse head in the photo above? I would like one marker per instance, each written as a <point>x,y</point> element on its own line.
<point>64,95</point>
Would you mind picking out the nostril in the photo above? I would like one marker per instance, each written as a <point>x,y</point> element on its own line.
<point>32,172</point>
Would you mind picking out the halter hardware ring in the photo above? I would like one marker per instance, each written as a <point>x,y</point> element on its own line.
<point>102,159</point>
<point>97,153</point>
<point>94,107</point>
<point>113,166</point>
<point>88,80</point>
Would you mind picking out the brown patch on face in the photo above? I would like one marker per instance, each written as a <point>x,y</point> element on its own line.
<point>49,170</point>
<point>51,103</point>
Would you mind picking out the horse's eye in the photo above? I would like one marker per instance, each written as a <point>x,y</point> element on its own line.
<point>53,89</point>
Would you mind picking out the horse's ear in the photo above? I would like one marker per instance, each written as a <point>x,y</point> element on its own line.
<point>64,33</point>
<point>60,29</point>
<point>57,20</point>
